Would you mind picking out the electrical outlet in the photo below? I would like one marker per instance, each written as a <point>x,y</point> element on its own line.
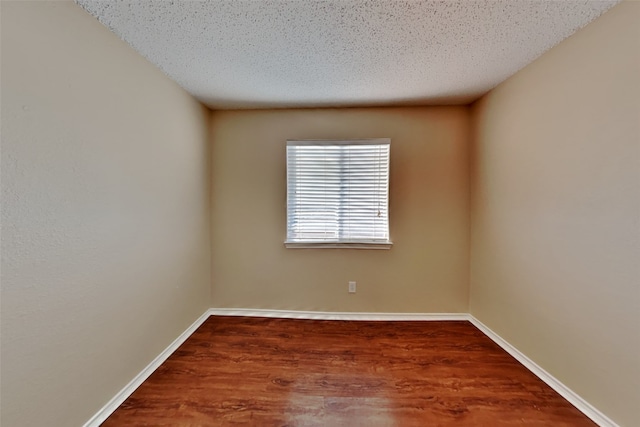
<point>352,287</point>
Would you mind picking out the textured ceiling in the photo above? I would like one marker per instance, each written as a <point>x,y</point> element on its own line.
<point>308,53</point>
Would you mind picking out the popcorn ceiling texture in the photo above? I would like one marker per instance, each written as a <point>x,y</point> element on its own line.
<point>293,53</point>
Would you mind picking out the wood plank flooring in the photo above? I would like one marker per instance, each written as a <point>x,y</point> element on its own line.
<point>278,372</point>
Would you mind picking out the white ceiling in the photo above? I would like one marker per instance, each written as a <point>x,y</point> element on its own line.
<point>310,53</point>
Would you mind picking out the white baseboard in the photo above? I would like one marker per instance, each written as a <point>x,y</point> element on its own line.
<point>336,315</point>
<point>581,404</point>
<point>123,394</point>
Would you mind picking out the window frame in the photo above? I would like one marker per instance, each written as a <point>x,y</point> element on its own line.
<point>354,244</point>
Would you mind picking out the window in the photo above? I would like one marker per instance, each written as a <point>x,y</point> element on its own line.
<point>338,194</point>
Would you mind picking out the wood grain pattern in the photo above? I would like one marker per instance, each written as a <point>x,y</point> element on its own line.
<point>281,372</point>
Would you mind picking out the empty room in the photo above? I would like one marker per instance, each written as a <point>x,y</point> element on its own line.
<point>320,213</point>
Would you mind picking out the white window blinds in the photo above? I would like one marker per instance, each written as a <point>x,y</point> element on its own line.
<point>338,193</point>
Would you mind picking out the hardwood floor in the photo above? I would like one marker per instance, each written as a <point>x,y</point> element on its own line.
<point>279,372</point>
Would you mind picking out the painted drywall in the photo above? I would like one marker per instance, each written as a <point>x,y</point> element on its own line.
<point>425,271</point>
<point>555,185</point>
<point>105,214</point>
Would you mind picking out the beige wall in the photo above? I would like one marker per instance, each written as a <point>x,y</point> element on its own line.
<point>425,271</point>
<point>555,246</point>
<point>106,223</point>
<point>105,214</point>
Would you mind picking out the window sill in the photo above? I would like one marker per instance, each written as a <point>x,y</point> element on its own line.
<point>336,245</point>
